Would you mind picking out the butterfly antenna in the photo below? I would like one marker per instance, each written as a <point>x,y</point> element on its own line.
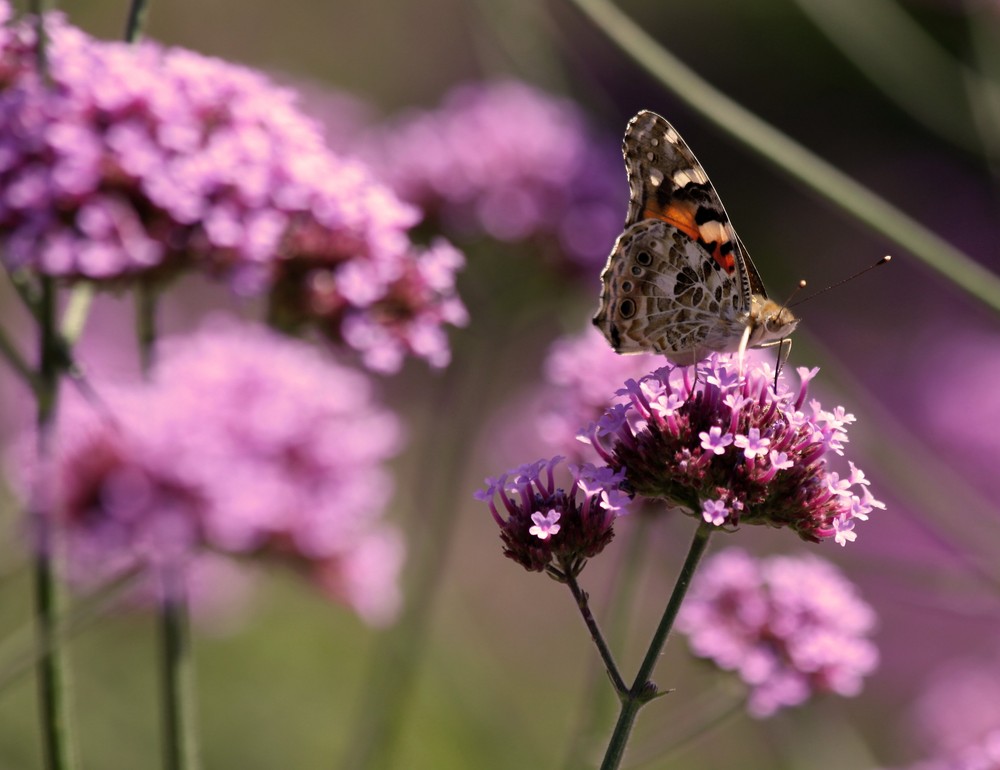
<point>884,261</point>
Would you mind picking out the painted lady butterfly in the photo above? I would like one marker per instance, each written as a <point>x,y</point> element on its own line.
<point>679,281</point>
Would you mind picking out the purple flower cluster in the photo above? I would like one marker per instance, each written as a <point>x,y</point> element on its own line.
<point>956,718</point>
<point>581,375</point>
<point>789,626</point>
<point>722,444</point>
<point>541,523</point>
<point>245,442</point>
<point>511,162</point>
<point>144,160</point>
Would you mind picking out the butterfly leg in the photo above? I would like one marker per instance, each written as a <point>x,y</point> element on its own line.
<point>784,346</point>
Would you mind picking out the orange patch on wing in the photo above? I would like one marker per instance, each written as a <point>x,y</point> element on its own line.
<point>681,216</point>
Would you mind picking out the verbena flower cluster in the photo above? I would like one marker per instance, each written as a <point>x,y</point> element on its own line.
<point>139,160</point>
<point>245,443</point>
<point>545,527</point>
<point>724,446</point>
<point>509,161</point>
<point>790,627</point>
<point>956,717</point>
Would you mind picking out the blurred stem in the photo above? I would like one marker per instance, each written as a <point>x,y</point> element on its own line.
<point>597,700</point>
<point>137,13</point>
<point>75,315</point>
<point>791,157</point>
<point>145,325</point>
<point>180,744</point>
<point>643,690</point>
<point>69,624</point>
<point>595,633</point>
<point>180,750</point>
<point>51,665</point>
<point>38,8</point>
<point>915,71</point>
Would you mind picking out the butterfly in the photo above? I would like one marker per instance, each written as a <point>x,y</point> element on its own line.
<point>679,281</point>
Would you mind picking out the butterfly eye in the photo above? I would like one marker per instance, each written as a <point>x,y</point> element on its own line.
<point>644,259</point>
<point>626,308</point>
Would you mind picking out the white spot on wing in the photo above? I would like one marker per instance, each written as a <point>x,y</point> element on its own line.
<point>655,177</point>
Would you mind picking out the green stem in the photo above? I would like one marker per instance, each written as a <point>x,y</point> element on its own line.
<point>180,751</point>
<point>51,667</point>
<point>137,13</point>
<point>180,744</point>
<point>595,633</point>
<point>643,690</point>
<point>792,158</point>
<point>597,701</point>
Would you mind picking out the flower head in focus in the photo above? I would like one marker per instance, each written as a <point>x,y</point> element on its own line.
<point>508,161</point>
<point>723,445</point>
<point>142,161</point>
<point>790,627</point>
<point>544,527</point>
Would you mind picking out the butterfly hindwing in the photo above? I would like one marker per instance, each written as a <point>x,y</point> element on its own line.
<point>665,293</point>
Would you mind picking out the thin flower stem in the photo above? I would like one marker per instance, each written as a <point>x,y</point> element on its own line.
<point>791,157</point>
<point>180,744</point>
<point>51,668</point>
<point>145,325</point>
<point>81,617</point>
<point>642,690</point>
<point>597,701</point>
<point>180,750</point>
<point>137,13</point>
<point>595,633</point>
<point>74,317</point>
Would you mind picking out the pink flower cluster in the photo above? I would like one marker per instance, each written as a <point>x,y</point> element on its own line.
<point>791,627</point>
<point>132,160</point>
<point>544,527</point>
<point>722,444</point>
<point>509,161</point>
<point>244,443</point>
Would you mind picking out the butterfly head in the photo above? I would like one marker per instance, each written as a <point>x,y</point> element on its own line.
<point>769,321</point>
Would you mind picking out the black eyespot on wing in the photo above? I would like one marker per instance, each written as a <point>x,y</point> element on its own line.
<point>627,286</point>
<point>626,309</point>
<point>637,271</point>
<point>644,259</point>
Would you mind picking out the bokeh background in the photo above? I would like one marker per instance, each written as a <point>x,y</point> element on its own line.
<point>499,677</point>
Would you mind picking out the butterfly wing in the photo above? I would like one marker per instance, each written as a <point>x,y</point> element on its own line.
<point>665,293</point>
<point>666,182</point>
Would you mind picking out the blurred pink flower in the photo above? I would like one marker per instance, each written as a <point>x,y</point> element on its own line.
<point>246,442</point>
<point>791,627</point>
<point>141,160</point>
<point>509,161</point>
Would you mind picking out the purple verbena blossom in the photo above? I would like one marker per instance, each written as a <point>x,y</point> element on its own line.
<point>509,161</point>
<point>772,471</point>
<point>141,160</point>
<point>246,443</point>
<point>526,504</point>
<point>790,627</point>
